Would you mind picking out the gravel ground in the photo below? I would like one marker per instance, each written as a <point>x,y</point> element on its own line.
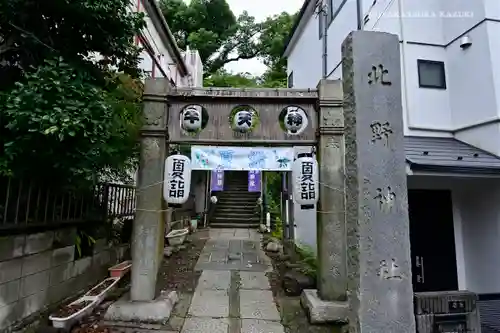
<point>176,273</point>
<point>293,316</point>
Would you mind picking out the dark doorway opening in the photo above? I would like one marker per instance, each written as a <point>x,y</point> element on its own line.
<point>434,266</point>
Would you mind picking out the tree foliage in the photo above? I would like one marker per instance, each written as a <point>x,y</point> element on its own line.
<point>210,27</point>
<point>223,78</point>
<point>69,95</point>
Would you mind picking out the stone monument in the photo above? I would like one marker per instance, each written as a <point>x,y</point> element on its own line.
<point>365,276</point>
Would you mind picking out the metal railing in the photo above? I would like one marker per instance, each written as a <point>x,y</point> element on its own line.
<point>25,205</point>
<point>119,199</point>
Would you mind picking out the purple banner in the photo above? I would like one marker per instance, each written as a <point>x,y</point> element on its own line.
<point>217,182</point>
<point>253,181</point>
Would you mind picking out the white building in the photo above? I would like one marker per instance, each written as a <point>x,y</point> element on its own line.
<point>161,57</point>
<point>450,55</point>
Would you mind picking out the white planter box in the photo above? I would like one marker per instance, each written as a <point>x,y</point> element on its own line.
<point>67,322</point>
<point>177,237</point>
<point>102,295</point>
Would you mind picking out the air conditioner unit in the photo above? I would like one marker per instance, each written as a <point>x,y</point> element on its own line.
<point>451,311</point>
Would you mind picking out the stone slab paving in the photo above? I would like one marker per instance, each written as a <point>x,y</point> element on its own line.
<point>218,280</point>
<point>233,249</point>
<point>206,325</point>
<point>233,293</point>
<point>258,304</point>
<point>261,326</point>
<point>210,303</point>
<point>254,280</point>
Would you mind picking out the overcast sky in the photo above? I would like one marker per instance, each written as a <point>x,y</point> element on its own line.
<point>260,9</point>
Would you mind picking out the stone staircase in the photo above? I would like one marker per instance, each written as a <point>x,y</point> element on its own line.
<point>236,207</point>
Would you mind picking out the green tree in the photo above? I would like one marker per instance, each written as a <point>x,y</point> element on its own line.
<point>32,31</point>
<point>273,41</point>
<point>69,94</point>
<point>223,78</point>
<point>210,27</point>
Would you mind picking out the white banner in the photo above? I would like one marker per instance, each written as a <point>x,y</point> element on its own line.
<point>241,158</point>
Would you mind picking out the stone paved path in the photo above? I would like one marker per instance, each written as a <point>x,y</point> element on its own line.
<point>233,293</point>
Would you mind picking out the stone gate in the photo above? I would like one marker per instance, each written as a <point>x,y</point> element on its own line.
<point>356,124</point>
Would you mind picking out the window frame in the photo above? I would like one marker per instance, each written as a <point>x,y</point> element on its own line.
<point>331,12</point>
<point>442,68</point>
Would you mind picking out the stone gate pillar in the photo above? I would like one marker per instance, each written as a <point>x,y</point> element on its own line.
<point>331,237</point>
<point>149,227</point>
<point>378,243</point>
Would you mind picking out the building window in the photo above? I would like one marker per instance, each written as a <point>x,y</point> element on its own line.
<point>331,11</point>
<point>334,7</point>
<point>431,74</point>
<point>290,80</point>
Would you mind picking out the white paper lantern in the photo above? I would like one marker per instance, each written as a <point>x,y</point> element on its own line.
<point>305,181</point>
<point>243,120</point>
<point>293,120</point>
<point>191,118</point>
<point>177,181</point>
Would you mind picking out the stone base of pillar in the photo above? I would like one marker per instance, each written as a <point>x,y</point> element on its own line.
<point>152,312</point>
<point>322,312</point>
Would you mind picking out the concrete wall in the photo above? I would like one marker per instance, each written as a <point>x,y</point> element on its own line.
<point>34,275</point>
<point>305,59</point>
<point>480,217</point>
<point>429,30</point>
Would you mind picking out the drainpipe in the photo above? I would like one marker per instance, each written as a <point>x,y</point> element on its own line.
<point>403,60</point>
<point>359,10</point>
<point>324,15</point>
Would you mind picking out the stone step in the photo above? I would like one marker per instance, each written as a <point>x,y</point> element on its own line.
<point>235,208</point>
<point>234,225</point>
<point>247,205</point>
<point>231,195</point>
<point>236,215</point>
<point>237,202</point>
<point>230,191</point>
<point>223,212</point>
<point>239,205</point>
<point>220,219</point>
